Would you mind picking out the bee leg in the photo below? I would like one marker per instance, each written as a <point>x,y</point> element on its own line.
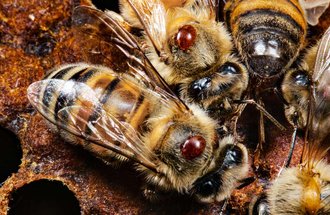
<point>223,210</point>
<point>263,111</point>
<point>153,194</point>
<point>261,141</point>
<point>239,112</point>
<point>293,139</point>
<point>259,105</point>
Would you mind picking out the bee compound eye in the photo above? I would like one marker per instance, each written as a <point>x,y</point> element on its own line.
<point>201,84</point>
<point>228,69</point>
<point>185,37</point>
<point>233,157</point>
<point>301,79</point>
<point>193,147</point>
<point>206,188</point>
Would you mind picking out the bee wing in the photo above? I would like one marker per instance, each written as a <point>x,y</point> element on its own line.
<point>314,9</point>
<point>104,27</point>
<point>81,114</point>
<point>315,148</point>
<point>319,106</point>
<point>322,63</point>
<point>152,17</point>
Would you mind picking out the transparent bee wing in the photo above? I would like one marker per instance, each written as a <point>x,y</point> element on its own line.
<point>95,39</point>
<point>321,73</point>
<point>315,148</point>
<point>107,132</point>
<point>321,79</point>
<point>314,9</point>
<point>318,126</point>
<point>81,114</point>
<point>152,17</point>
<point>102,26</point>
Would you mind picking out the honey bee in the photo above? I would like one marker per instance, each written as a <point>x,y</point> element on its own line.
<point>133,115</point>
<point>268,34</point>
<point>295,89</point>
<point>305,189</point>
<point>192,51</point>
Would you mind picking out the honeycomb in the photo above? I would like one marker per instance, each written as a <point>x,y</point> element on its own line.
<point>41,174</point>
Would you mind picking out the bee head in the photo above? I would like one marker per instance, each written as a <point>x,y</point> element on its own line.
<point>187,146</point>
<point>194,158</point>
<point>218,87</point>
<point>296,93</point>
<point>183,146</point>
<point>229,167</point>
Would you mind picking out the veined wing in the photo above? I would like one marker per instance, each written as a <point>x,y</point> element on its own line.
<point>152,17</point>
<point>101,25</point>
<point>80,113</point>
<point>319,108</point>
<point>321,74</point>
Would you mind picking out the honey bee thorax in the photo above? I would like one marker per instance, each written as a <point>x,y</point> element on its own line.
<point>193,49</point>
<point>268,34</point>
<point>117,97</point>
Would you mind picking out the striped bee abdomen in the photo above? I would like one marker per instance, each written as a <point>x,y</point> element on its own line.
<point>118,97</point>
<point>79,94</point>
<point>268,34</point>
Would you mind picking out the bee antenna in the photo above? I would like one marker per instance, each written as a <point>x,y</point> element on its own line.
<point>280,95</point>
<point>224,206</point>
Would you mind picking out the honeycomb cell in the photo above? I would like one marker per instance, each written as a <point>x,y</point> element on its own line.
<point>110,5</point>
<point>44,197</point>
<point>10,154</point>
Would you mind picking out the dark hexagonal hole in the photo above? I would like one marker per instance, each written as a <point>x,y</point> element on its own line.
<point>10,154</point>
<point>44,197</point>
<point>106,4</point>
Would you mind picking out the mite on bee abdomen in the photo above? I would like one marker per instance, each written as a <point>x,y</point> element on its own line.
<point>133,115</point>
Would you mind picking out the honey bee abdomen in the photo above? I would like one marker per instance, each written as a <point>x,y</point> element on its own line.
<point>80,97</point>
<point>118,97</point>
<point>268,34</point>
